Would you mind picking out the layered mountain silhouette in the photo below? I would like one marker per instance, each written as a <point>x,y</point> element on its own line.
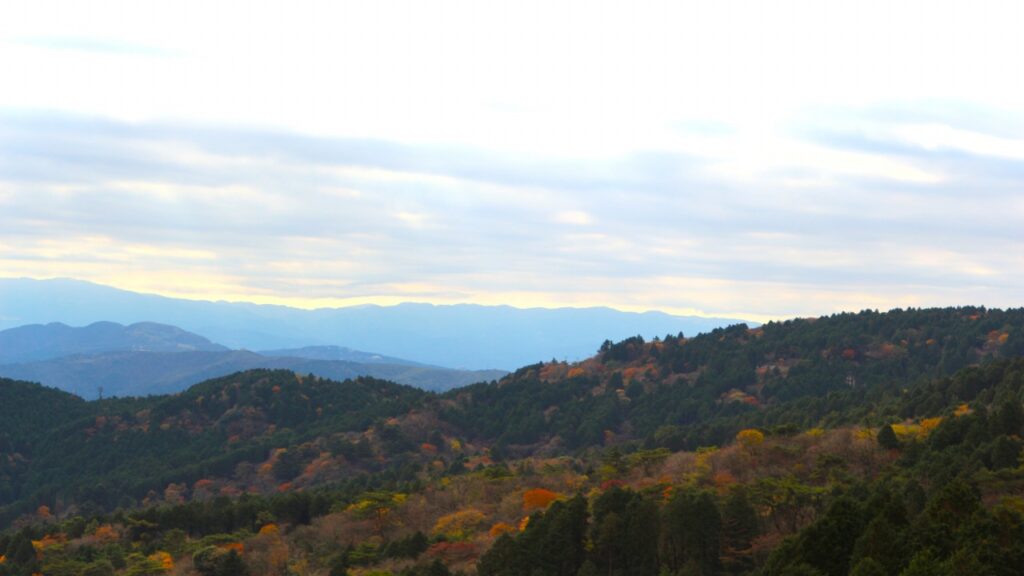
<point>459,336</point>
<point>147,358</point>
<point>42,342</point>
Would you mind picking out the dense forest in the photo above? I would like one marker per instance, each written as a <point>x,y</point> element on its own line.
<point>870,443</point>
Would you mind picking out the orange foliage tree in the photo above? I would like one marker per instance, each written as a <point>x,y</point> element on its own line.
<point>107,534</point>
<point>929,424</point>
<point>538,498</point>
<point>164,559</point>
<point>501,528</point>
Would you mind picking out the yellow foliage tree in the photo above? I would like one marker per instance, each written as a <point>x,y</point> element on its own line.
<point>864,434</point>
<point>750,438</point>
<point>377,506</point>
<point>929,424</point>
<point>459,525</point>
<point>702,462</point>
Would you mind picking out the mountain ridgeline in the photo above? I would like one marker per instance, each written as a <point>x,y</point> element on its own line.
<point>37,342</point>
<point>739,451</point>
<point>148,358</point>
<point>681,393</point>
<point>147,373</point>
<point>460,336</point>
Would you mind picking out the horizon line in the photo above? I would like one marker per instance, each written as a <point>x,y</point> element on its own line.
<point>329,303</point>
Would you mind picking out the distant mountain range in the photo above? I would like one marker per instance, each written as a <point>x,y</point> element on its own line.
<point>145,373</point>
<point>463,336</point>
<point>148,358</point>
<point>338,353</point>
<point>43,342</point>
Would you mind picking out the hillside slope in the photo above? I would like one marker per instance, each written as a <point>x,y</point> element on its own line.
<point>937,495</point>
<point>690,392</point>
<point>802,413</point>
<point>674,393</point>
<point>106,453</point>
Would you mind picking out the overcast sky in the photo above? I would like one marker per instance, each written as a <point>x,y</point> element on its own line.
<point>754,159</point>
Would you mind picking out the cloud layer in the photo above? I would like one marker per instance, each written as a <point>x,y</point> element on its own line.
<point>249,214</point>
<point>735,159</point>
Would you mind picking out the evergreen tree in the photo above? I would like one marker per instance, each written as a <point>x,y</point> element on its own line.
<point>691,526</point>
<point>887,438</point>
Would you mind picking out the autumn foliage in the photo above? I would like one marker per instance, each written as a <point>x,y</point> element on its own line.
<point>236,546</point>
<point>106,534</point>
<point>501,528</point>
<point>164,559</point>
<point>538,499</point>
<point>459,525</point>
<point>750,438</point>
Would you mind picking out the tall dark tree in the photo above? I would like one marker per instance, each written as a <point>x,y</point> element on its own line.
<point>887,438</point>
<point>690,534</point>
<point>739,528</point>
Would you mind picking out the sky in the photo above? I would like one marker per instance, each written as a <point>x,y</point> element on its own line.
<point>757,160</point>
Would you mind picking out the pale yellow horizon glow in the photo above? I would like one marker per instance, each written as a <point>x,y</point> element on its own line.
<point>236,294</point>
<point>826,302</point>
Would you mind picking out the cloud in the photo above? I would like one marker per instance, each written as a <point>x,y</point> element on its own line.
<point>272,216</point>
<point>93,44</point>
<point>574,218</point>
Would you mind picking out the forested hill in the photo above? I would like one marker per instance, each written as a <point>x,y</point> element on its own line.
<point>688,392</point>
<point>59,450</point>
<point>231,453</point>
<point>675,393</point>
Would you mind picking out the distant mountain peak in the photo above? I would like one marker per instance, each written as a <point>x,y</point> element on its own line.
<point>35,342</point>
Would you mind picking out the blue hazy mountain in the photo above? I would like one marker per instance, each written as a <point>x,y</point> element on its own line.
<point>464,335</point>
<point>339,353</point>
<point>148,358</point>
<point>45,341</point>
<point>136,373</point>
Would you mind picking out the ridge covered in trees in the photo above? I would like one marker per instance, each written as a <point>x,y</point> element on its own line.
<point>870,443</point>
